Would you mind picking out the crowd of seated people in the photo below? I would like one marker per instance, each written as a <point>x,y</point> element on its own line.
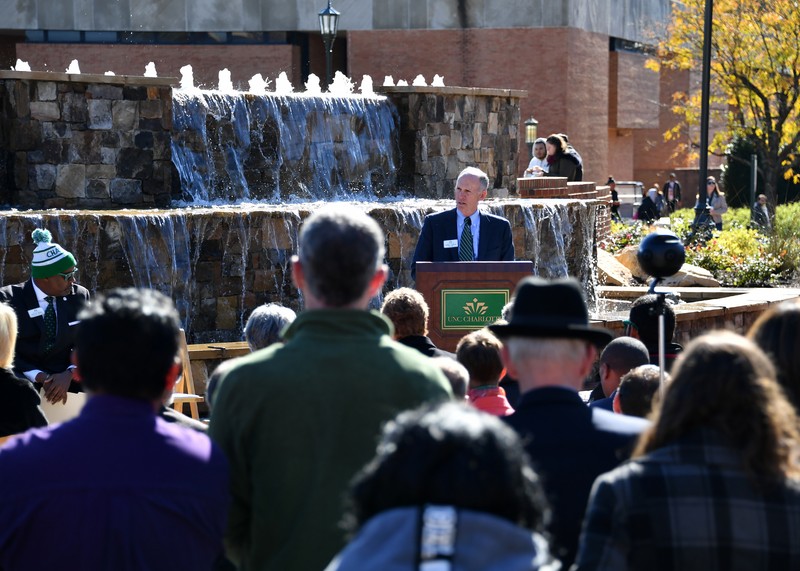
<point>697,470</point>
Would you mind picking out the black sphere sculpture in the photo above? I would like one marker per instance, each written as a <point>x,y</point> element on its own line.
<point>661,254</point>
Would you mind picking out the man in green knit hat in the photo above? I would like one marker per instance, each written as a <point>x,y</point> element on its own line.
<point>47,306</point>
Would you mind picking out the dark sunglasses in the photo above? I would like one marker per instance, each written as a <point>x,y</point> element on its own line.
<point>69,275</point>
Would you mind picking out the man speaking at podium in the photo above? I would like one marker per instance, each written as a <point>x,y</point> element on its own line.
<point>464,234</point>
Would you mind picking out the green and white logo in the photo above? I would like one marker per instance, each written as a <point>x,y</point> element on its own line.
<point>469,309</point>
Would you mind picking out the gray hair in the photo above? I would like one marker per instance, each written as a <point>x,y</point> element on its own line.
<point>543,349</point>
<point>265,324</point>
<point>456,374</point>
<point>482,177</point>
<point>341,248</point>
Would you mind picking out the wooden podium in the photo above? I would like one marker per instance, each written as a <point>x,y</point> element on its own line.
<point>465,296</point>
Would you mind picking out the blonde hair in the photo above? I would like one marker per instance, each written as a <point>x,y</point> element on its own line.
<point>8,335</point>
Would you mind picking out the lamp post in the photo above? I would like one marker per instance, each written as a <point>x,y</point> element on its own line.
<point>705,95</point>
<point>531,132</point>
<point>328,23</point>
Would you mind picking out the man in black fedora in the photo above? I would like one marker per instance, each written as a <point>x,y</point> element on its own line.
<point>549,348</point>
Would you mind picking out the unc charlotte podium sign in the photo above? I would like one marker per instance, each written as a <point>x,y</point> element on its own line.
<point>470,309</point>
<point>464,296</point>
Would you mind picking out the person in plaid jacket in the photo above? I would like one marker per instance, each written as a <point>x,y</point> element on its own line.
<point>715,483</point>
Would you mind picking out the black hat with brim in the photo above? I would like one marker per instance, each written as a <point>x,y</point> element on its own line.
<point>552,309</point>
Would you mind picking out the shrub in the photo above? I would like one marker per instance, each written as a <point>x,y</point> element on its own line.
<point>624,234</point>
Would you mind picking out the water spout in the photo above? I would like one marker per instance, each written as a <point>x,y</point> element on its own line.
<point>282,84</point>
<point>341,86</point>
<point>312,85</point>
<point>150,70</point>
<point>74,68</point>
<point>187,78</point>
<point>419,81</point>
<point>21,66</point>
<point>366,86</point>
<point>225,85</point>
<point>257,85</point>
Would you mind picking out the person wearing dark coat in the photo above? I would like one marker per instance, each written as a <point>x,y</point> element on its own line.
<point>549,348</point>
<point>648,210</point>
<point>47,306</point>
<point>19,401</point>
<point>408,311</point>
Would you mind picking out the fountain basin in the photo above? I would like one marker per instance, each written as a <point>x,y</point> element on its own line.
<point>219,263</point>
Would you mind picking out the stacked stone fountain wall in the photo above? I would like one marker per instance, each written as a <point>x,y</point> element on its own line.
<point>445,129</point>
<point>84,141</point>
<point>219,264</point>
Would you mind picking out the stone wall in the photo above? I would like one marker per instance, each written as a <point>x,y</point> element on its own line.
<point>445,129</point>
<point>84,141</point>
<point>557,187</point>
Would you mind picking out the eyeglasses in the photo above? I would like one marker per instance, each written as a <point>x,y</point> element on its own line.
<point>629,326</point>
<point>70,275</point>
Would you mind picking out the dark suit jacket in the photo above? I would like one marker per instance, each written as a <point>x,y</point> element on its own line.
<point>19,405</point>
<point>495,243</point>
<point>425,346</point>
<point>30,353</point>
<point>570,445</point>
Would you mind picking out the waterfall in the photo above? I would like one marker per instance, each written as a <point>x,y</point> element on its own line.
<point>229,148</point>
<point>219,264</point>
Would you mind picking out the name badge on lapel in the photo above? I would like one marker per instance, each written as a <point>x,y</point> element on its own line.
<point>38,312</point>
<point>450,244</point>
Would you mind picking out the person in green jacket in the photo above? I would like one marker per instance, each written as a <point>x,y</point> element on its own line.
<point>299,419</point>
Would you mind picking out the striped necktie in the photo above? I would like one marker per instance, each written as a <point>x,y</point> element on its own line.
<point>465,246</point>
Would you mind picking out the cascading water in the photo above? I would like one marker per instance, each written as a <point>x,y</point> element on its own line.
<point>229,148</point>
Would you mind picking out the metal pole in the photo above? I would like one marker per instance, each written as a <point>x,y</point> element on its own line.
<point>753,178</point>
<point>328,60</point>
<point>704,112</point>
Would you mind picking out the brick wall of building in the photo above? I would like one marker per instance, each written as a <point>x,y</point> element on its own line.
<point>562,69</point>
<point>243,61</point>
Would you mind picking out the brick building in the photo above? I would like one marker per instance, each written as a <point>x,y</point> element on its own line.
<point>581,61</point>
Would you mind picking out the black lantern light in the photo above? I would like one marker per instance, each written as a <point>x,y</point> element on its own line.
<point>531,132</point>
<point>328,24</point>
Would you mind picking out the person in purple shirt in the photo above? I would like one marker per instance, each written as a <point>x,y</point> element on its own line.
<point>117,487</point>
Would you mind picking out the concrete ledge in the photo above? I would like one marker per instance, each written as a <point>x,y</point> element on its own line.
<point>91,78</point>
<point>478,91</point>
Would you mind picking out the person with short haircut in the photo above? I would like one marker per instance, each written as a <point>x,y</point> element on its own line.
<point>465,233</point>
<point>776,332</point>
<point>615,203</point>
<point>117,487</point>
<point>264,326</point>
<point>456,374</point>
<point>760,218</point>
<point>538,163</point>
<point>299,418</point>
<point>714,483</point>
<point>19,401</point>
<point>46,306</point>
<point>638,390</point>
<point>672,193</point>
<point>617,359</point>
<point>549,347</point>
<point>408,312</point>
<point>642,324</point>
<point>479,352</point>
<point>449,488</point>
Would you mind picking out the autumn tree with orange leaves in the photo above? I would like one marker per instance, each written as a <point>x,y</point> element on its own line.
<point>755,78</point>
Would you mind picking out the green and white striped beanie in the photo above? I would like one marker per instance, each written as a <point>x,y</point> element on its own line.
<point>49,259</point>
